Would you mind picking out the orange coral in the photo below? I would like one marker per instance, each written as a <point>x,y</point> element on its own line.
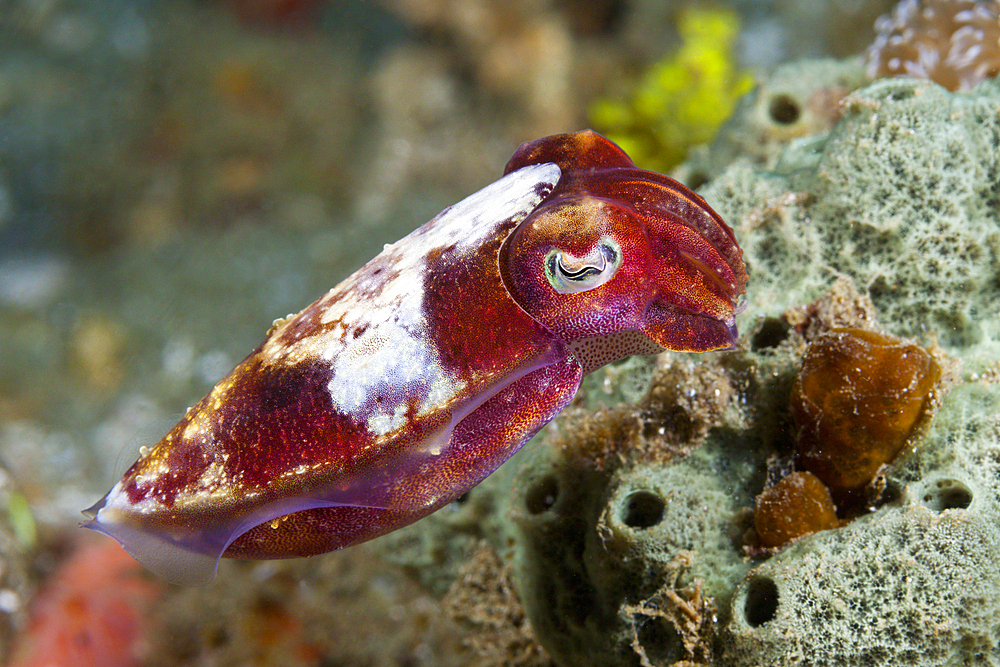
<point>856,402</point>
<point>92,612</point>
<point>955,43</point>
<point>796,506</point>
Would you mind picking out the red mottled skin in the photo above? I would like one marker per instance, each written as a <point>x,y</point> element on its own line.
<point>682,270</point>
<point>422,372</point>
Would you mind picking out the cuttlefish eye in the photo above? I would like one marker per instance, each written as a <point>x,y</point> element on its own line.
<point>569,274</point>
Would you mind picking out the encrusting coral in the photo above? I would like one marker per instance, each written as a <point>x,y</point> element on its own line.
<point>955,43</point>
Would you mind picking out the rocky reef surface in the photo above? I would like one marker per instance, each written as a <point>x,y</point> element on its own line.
<point>628,521</point>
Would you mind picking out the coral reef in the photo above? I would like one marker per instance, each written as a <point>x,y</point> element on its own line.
<point>891,215</point>
<point>881,601</point>
<point>954,43</point>
<point>595,542</point>
<point>691,614</point>
<point>618,537</point>
<point>919,236</point>
<point>797,101</point>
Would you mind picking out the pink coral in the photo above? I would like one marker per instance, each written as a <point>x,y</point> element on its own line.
<point>955,43</point>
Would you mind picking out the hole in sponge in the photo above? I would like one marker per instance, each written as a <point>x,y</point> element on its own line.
<point>947,494</point>
<point>643,509</point>
<point>891,494</point>
<point>762,601</point>
<point>783,109</point>
<point>696,179</point>
<point>542,495</point>
<point>772,333</point>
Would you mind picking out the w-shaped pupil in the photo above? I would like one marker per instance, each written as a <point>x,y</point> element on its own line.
<point>569,274</point>
<point>580,274</point>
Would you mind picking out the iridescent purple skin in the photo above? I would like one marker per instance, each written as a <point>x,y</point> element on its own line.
<point>415,378</point>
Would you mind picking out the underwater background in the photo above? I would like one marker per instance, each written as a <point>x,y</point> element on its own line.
<point>175,175</point>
